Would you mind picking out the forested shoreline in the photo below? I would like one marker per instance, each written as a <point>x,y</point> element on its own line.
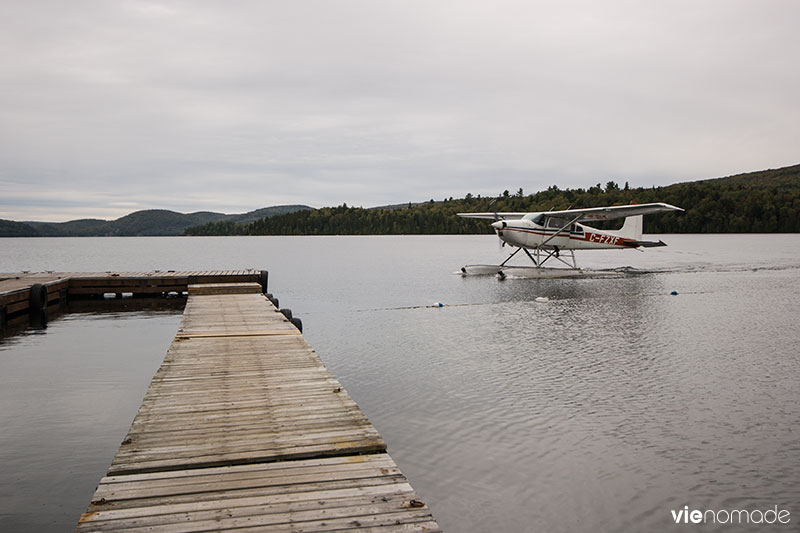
<point>757,202</point>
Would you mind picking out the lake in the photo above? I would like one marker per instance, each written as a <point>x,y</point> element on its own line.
<point>605,408</point>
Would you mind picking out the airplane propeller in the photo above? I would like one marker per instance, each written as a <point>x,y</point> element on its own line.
<point>499,225</point>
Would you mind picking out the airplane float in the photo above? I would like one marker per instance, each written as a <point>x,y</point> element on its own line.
<point>550,233</point>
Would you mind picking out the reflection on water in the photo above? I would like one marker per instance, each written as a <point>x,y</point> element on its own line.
<point>599,410</point>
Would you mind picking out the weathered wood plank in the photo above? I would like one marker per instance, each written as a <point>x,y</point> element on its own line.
<point>267,495</point>
<point>234,333</point>
<point>279,468</point>
<point>225,288</point>
<point>227,482</point>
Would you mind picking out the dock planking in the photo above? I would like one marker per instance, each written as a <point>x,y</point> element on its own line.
<point>359,492</point>
<point>243,427</point>
<point>203,377</point>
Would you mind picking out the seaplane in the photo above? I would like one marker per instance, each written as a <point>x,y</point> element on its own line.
<point>550,234</point>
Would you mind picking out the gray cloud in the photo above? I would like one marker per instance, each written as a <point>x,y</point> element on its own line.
<point>108,107</point>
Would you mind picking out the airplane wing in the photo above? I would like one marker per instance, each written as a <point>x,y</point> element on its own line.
<point>590,213</point>
<point>493,216</point>
<point>617,211</point>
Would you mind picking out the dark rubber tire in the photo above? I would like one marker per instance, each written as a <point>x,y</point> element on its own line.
<point>38,298</point>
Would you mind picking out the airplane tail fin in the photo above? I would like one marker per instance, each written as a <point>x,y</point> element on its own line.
<point>632,228</point>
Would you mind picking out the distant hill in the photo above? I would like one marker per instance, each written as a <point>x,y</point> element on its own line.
<point>150,222</point>
<point>266,212</point>
<point>764,202</point>
<point>780,178</point>
<point>9,228</point>
<point>83,226</point>
<point>157,222</point>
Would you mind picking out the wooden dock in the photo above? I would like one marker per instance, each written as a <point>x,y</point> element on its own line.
<point>243,427</point>
<point>16,288</point>
<point>25,295</point>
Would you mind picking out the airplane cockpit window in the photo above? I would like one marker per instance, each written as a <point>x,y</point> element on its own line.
<point>536,218</point>
<point>555,222</point>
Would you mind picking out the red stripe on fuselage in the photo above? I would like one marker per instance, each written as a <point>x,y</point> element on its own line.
<point>599,238</point>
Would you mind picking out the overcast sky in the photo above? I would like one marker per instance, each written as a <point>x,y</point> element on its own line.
<point>107,107</point>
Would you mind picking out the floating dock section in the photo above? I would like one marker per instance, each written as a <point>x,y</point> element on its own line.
<point>25,292</point>
<point>244,428</point>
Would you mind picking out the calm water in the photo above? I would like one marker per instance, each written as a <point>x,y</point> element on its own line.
<point>600,410</point>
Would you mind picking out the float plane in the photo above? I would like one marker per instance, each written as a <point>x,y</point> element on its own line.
<point>550,233</point>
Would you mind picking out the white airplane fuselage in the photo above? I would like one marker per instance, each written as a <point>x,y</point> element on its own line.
<point>536,231</point>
